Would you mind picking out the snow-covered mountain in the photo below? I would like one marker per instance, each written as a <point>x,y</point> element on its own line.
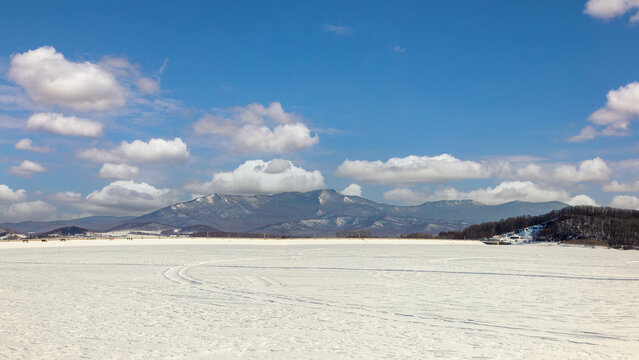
<point>327,211</point>
<point>315,212</point>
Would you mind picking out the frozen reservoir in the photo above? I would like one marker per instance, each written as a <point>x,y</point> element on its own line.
<point>316,299</point>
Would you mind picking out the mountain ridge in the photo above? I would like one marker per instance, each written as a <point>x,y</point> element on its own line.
<point>307,213</point>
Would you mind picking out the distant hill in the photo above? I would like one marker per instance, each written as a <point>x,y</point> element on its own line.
<point>616,228</point>
<point>198,229</point>
<point>96,223</point>
<point>66,231</point>
<point>320,212</point>
<point>141,226</point>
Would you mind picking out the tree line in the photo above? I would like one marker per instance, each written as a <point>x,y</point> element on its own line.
<point>618,228</point>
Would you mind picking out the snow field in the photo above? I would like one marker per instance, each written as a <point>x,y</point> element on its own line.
<point>316,300</point>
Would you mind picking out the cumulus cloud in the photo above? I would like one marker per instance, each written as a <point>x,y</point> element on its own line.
<point>120,198</point>
<point>608,9</point>
<point>49,78</point>
<point>14,207</point>
<point>261,177</point>
<point>26,144</point>
<point>257,114</point>
<point>138,151</point>
<point>118,171</point>
<point>281,139</point>
<point>337,29</point>
<point>412,170</point>
<point>352,190</point>
<point>22,211</point>
<point>506,191</point>
<point>256,128</point>
<point>616,186</point>
<point>622,106</point>
<point>27,169</point>
<point>625,202</point>
<point>64,125</point>
<point>9,195</point>
<point>582,200</point>
<point>595,170</point>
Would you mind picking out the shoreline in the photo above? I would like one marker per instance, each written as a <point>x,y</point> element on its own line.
<point>19,244</point>
<point>172,241</point>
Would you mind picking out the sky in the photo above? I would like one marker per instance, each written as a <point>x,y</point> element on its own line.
<point>121,108</point>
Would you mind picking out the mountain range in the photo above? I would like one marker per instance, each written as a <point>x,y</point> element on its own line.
<point>320,212</point>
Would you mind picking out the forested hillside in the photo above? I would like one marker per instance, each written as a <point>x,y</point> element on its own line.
<point>616,228</point>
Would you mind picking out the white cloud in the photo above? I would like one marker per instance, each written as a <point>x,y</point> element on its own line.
<point>412,170</point>
<point>138,151</point>
<point>587,133</point>
<point>257,114</point>
<point>118,171</point>
<point>27,168</point>
<point>622,106</point>
<point>281,139</point>
<point>255,128</point>
<point>407,196</point>
<point>506,191</point>
<point>261,177</point>
<point>66,196</point>
<point>352,190</point>
<point>49,78</point>
<point>64,125</point>
<point>26,144</point>
<point>337,29</point>
<point>9,195</point>
<point>625,202</point>
<point>608,9</point>
<point>582,200</point>
<point>22,211</point>
<point>588,170</point>
<point>119,67</point>
<point>615,186</point>
<point>120,198</point>
<point>278,166</point>
<point>148,86</point>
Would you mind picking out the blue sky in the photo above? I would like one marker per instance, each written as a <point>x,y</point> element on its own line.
<point>124,107</point>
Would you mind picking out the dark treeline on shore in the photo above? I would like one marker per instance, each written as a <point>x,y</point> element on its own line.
<point>616,228</point>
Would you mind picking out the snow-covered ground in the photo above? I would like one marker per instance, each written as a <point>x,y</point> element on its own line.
<point>522,236</point>
<point>315,299</point>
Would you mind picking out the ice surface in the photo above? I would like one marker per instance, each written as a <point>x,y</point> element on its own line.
<point>238,299</point>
